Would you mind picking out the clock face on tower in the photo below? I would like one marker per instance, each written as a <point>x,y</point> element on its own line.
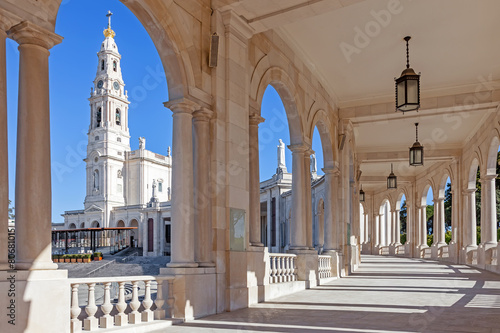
<point>116,85</point>
<point>99,84</point>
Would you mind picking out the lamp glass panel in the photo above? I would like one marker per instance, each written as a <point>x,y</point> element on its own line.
<point>401,93</point>
<point>412,90</point>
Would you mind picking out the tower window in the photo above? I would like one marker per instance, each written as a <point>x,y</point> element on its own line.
<point>160,187</point>
<point>114,66</point>
<point>98,117</point>
<point>96,180</point>
<point>102,65</point>
<point>118,117</point>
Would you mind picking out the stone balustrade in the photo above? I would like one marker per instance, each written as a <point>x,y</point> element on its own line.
<point>283,267</point>
<point>324,267</point>
<point>94,299</point>
<point>401,250</point>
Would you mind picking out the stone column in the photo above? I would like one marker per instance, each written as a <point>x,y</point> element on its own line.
<point>470,224</point>
<point>488,211</point>
<point>202,200</point>
<point>377,230</point>
<point>298,229</point>
<point>4,152</point>
<point>367,228</point>
<point>331,206</point>
<point>439,224</point>
<point>308,198</point>
<point>254,211</point>
<point>183,236</point>
<point>33,174</point>
<point>397,227</point>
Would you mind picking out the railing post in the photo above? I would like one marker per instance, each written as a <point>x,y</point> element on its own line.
<point>159,302</point>
<point>76,324</point>
<point>90,323</point>
<point>134,317</point>
<point>147,314</point>
<point>121,317</point>
<point>106,321</point>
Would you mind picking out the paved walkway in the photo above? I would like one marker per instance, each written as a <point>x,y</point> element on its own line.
<point>385,295</point>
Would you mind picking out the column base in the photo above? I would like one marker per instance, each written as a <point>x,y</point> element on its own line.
<point>206,264</point>
<point>182,264</point>
<point>106,322</point>
<point>257,244</point>
<point>300,248</point>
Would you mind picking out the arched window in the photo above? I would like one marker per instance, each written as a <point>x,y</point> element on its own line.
<point>96,179</point>
<point>102,65</point>
<point>118,117</point>
<point>114,66</point>
<point>98,117</point>
<point>160,187</point>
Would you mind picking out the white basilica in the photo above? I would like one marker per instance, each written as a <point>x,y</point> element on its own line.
<point>125,188</point>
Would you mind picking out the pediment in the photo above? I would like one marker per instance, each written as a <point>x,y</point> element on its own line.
<point>93,208</point>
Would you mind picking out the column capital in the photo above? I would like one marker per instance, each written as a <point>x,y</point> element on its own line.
<point>237,26</point>
<point>203,114</point>
<point>182,105</point>
<point>255,119</point>
<point>309,152</point>
<point>299,148</point>
<point>334,171</point>
<point>487,178</point>
<point>30,33</point>
<point>468,191</point>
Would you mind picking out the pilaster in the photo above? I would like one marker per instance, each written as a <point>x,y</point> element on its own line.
<point>298,224</point>
<point>254,179</point>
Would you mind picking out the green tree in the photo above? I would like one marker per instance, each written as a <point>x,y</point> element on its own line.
<point>430,218</point>
<point>447,206</point>
<point>11,211</point>
<point>402,217</point>
<point>478,198</point>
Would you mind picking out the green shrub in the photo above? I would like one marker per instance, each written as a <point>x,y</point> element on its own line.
<point>430,240</point>
<point>478,235</point>
<point>498,235</point>
<point>447,237</point>
<point>403,238</point>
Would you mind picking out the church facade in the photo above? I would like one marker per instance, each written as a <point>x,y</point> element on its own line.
<point>124,188</point>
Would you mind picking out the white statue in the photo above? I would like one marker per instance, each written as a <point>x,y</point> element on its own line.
<point>313,164</point>
<point>154,189</point>
<point>168,151</point>
<point>281,155</point>
<point>142,143</point>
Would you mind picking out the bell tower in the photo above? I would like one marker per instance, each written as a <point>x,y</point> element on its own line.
<point>108,136</point>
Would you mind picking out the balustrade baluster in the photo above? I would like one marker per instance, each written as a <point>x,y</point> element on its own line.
<point>106,321</point>
<point>279,270</point>
<point>76,324</point>
<point>121,317</point>
<point>134,317</point>
<point>147,314</point>
<point>90,323</point>
<point>159,302</point>
<point>273,269</point>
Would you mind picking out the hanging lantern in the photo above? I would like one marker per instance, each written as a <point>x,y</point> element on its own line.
<point>408,87</point>
<point>392,180</point>
<point>361,195</point>
<point>417,151</point>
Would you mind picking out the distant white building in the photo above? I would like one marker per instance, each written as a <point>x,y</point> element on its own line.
<point>124,188</point>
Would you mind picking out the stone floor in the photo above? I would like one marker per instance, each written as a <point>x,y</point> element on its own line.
<point>386,294</point>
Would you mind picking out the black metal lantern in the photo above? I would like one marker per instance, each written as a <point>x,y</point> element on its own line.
<point>392,180</point>
<point>417,151</point>
<point>361,195</point>
<point>408,87</point>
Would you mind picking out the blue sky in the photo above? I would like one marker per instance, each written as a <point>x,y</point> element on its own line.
<point>73,65</point>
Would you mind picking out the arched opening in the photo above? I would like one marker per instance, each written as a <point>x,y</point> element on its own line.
<point>274,137</point>
<point>72,226</point>
<point>403,219</point>
<point>135,239</point>
<point>385,224</point>
<point>118,117</point>
<point>428,205</point>
<point>98,117</point>
<point>362,224</point>
<point>120,224</point>
<point>445,193</point>
<point>319,226</point>
<point>102,65</point>
<point>94,224</point>
<point>492,189</point>
<point>82,225</point>
<point>114,66</point>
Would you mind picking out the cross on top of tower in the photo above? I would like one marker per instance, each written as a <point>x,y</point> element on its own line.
<point>109,32</point>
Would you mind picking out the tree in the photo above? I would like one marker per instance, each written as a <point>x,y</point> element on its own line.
<point>11,211</point>
<point>447,206</point>
<point>402,217</point>
<point>478,198</point>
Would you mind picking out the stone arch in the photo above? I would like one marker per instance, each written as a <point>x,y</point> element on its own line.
<point>423,198</point>
<point>284,86</point>
<point>441,186</point>
<point>120,224</point>
<point>400,197</point>
<point>471,181</point>
<point>72,226</point>
<point>94,224</point>
<point>491,160</point>
<point>322,122</point>
<point>163,27</point>
<point>135,234</point>
<point>82,225</point>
